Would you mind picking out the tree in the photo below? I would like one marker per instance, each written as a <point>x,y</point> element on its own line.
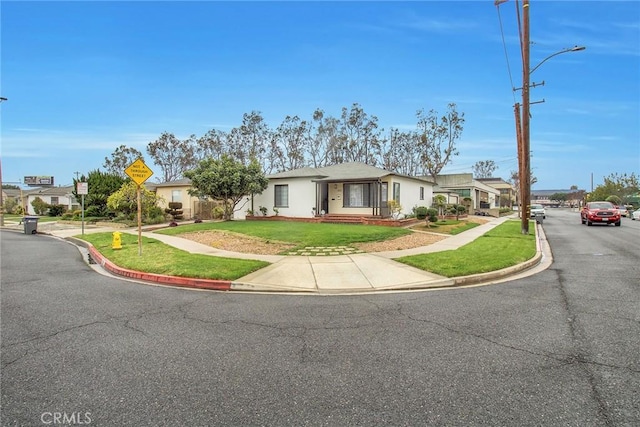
<point>288,144</point>
<point>125,199</point>
<point>249,141</point>
<point>228,180</point>
<point>438,136</point>
<point>359,137</point>
<point>400,153</point>
<point>172,155</point>
<point>100,186</point>
<point>484,168</point>
<point>213,144</point>
<point>39,206</point>
<point>323,143</point>
<point>120,159</point>
<point>623,186</point>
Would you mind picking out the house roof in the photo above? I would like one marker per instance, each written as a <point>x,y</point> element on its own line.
<point>50,191</point>
<point>351,171</point>
<point>184,182</point>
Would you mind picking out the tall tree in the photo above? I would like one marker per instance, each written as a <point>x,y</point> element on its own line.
<point>400,153</point>
<point>213,144</point>
<point>359,136</point>
<point>227,180</point>
<point>484,168</point>
<point>323,145</point>
<point>438,136</point>
<point>289,141</point>
<point>172,155</point>
<point>120,159</point>
<point>251,139</point>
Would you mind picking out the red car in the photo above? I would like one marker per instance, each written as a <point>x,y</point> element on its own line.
<point>600,212</point>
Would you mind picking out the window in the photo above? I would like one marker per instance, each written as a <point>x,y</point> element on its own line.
<point>176,196</point>
<point>54,200</point>
<point>357,195</point>
<point>396,191</point>
<point>281,196</point>
<point>421,193</point>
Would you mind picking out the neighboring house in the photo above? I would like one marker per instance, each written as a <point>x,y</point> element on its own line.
<point>14,194</point>
<point>52,196</point>
<point>482,196</point>
<point>451,197</point>
<point>175,191</point>
<point>347,189</point>
<point>507,191</point>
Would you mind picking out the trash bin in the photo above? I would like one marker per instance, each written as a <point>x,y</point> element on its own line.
<point>30,224</point>
<point>539,218</point>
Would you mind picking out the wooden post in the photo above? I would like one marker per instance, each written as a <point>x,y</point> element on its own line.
<point>139,222</point>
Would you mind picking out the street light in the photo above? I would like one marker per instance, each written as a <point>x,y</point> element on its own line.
<point>524,130</point>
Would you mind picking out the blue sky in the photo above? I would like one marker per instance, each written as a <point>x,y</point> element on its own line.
<point>82,78</point>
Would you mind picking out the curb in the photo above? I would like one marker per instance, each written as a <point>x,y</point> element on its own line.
<point>161,279</point>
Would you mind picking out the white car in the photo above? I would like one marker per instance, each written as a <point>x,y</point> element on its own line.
<point>537,209</point>
<point>635,215</point>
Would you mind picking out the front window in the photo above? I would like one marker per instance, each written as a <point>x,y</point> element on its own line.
<point>54,200</point>
<point>396,191</point>
<point>358,195</point>
<point>421,193</point>
<point>281,196</point>
<point>176,196</point>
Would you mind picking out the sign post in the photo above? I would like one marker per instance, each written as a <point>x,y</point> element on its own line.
<point>139,173</point>
<point>82,188</point>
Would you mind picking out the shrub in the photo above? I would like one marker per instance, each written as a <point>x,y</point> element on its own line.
<point>175,210</point>
<point>421,212</point>
<point>39,206</point>
<point>432,214</point>
<point>56,210</point>
<point>218,212</point>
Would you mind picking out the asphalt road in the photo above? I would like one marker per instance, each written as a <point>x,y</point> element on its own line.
<point>558,348</point>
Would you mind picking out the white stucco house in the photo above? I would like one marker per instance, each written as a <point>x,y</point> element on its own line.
<point>53,196</point>
<point>343,189</point>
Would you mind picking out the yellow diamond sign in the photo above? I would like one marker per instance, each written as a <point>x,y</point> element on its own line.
<point>138,172</point>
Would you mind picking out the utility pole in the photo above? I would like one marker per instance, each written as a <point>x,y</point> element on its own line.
<point>525,170</point>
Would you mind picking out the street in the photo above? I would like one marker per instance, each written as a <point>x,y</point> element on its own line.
<point>557,348</point>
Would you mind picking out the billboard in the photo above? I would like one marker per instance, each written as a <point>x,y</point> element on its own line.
<point>38,180</point>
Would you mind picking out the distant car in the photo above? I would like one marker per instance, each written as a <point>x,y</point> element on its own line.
<point>600,212</point>
<point>538,209</point>
<point>623,211</point>
<point>635,215</point>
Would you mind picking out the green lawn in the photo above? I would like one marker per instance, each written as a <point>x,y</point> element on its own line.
<point>301,234</point>
<point>160,258</point>
<point>502,247</point>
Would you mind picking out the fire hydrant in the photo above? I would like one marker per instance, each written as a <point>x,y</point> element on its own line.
<point>117,240</point>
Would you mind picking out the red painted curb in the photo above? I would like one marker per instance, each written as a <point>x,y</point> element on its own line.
<point>162,279</point>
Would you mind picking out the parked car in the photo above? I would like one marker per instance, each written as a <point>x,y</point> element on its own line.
<point>537,209</point>
<point>600,212</point>
<point>623,211</point>
<point>635,214</point>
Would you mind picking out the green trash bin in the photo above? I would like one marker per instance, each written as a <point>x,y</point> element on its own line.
<point>30,224</point>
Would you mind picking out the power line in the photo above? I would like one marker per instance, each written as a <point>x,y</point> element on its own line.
<point>504,45</point>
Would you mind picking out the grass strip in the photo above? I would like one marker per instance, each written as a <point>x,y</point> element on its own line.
<point>160,258</point>
<point>501,247</point>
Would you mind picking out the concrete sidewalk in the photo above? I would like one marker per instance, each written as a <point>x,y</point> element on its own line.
<point>344,274</point>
